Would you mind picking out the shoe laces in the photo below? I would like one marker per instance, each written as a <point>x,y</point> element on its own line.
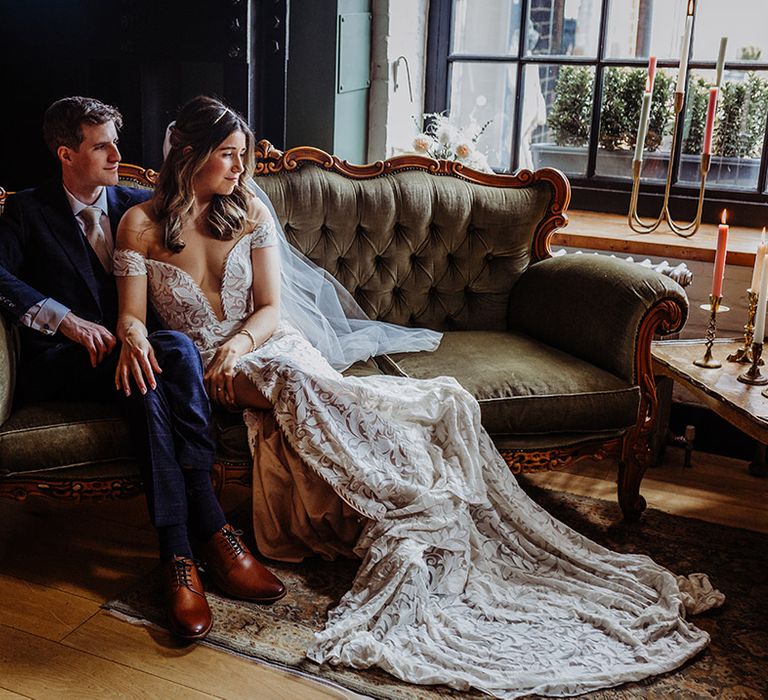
<point>182,570</point>
<point>232,538</point>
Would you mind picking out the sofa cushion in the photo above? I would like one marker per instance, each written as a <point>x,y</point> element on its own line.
<point>59,435</point>
<point>526,387</point>
<point>8,349</point>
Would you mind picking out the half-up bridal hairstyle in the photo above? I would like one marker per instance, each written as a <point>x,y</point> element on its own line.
<point>201,126</point>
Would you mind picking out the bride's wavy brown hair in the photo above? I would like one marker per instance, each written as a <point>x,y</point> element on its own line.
<point>203,123</point>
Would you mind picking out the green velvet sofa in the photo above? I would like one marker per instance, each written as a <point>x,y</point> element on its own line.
<point>556,350</point>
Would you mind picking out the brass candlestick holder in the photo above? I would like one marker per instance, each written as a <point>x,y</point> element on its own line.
<point>683,230</point>
<point>753,374</point>
<point>714,308</point>
<point>744,354</point>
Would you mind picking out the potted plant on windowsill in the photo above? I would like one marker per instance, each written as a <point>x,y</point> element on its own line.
<point>570,118</point>
<point>736,145</point>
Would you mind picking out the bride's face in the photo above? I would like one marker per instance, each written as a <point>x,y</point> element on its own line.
<point>224,166</point>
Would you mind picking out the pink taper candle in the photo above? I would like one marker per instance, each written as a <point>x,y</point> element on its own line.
<point>719,272</point>
<point>651,74</point>
<point>710,125</point>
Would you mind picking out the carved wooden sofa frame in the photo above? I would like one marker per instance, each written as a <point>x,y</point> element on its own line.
<point>630,449</point>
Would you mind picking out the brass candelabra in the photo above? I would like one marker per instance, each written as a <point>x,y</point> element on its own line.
<point>683,230</point>
<point>753,375</point>
<point>744,354</point>
<point>714,308</point>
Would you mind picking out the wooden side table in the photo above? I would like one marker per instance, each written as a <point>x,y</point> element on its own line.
<point>740,404</point>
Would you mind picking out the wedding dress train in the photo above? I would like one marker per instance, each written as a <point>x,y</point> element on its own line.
<point>464,580</point>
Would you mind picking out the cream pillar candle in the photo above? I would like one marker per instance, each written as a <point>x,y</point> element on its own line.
<point>759,335</point>
<point>758,268</point>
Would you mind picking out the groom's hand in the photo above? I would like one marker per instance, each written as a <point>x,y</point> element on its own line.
<point>96,339</point>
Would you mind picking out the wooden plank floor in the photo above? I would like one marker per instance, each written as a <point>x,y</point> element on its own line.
<point>59,562</point>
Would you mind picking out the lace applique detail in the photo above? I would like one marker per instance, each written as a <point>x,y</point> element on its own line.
<point>128,263</point>
<point>264,235</point>
<point>464,580</point>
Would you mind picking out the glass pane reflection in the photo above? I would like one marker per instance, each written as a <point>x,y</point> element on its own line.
<point>645,28</point>
<point>619,116</point>
<point>563,27</point>
<point>743,22</point>
<point>556,117</point>
<point>486,27</point>
<point>739,130</point>
<point>481,93</point>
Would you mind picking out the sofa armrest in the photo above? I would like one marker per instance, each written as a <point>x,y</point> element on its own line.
<point>594,307</point>
<point>8,356</point>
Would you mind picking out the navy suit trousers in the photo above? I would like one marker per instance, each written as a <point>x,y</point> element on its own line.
<point>170,424</point>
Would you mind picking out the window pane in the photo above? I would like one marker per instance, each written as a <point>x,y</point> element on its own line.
<point>646,28</point>
<point>619,116</point>
<point>743,22</point>
<point>563,27</point>
<point>482,93</point>
<point>739,128</point>
<point>486,27</point>
<point>556,117</point>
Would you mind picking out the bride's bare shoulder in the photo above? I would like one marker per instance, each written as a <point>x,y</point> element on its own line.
<point>258,212</point>
<point>139,228</point>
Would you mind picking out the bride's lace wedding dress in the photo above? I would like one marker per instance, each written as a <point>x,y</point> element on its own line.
<point>464,580</point>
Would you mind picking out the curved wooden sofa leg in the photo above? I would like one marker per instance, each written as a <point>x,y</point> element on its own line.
<point>632,466</point>
<point>666,316</point>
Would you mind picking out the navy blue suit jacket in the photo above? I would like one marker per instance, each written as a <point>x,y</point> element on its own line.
<point>43,253</point>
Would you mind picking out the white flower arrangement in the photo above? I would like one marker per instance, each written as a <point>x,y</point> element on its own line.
<point>442,140</point>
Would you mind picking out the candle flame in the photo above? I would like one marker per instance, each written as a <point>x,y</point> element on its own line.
<point>691,4</point>
<point>725,213</point>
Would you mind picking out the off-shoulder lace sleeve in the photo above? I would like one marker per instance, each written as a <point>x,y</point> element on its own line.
<point>264,235</point>
<point>128,263</point>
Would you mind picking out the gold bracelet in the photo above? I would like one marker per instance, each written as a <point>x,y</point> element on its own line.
<point>245,331</point>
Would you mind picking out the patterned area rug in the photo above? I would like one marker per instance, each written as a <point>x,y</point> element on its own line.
<point>733,667</point>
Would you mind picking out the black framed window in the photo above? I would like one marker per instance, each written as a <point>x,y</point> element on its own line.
<point>561,83</point>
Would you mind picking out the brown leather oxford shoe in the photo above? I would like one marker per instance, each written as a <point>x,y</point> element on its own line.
<point>236,572</point>
<point>186,606</point>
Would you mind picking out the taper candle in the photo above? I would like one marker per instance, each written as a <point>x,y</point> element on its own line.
<point>685,49</point>
<point>762,297</point>
<point>720,61</point>
<point>758,268</point>
<point>710,125</point>
<point>651,74</point>
<point>645,109</point>
<point>642,127</point>
<point>719,271</point>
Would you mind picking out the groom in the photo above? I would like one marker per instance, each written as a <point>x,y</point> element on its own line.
<point>56,244</point>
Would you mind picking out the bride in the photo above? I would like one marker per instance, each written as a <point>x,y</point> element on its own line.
<point>464,580</point>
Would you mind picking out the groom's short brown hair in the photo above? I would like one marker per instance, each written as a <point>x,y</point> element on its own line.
<point>63,120</point>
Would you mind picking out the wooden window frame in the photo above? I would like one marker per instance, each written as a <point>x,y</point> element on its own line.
<point>591,191</point>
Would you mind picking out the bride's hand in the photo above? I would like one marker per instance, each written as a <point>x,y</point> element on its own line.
<point>137,360</point>
<point>220,375</point>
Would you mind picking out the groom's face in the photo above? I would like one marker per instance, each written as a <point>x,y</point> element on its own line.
<point>95,161</point>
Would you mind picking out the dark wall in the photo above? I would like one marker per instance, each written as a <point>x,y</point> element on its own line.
<point>147,57</point>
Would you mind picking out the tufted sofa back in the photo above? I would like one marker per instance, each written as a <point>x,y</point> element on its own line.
<point>414,247</point>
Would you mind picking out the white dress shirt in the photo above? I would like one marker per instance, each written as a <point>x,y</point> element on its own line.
<point>46,316</point>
